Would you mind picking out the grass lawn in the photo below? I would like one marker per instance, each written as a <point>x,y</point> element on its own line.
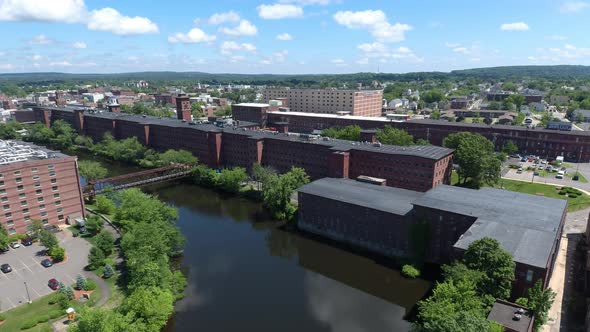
<point>574,204</point>
<point>581,177</point>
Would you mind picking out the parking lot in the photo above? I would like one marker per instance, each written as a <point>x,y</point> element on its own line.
<point>27,268</point>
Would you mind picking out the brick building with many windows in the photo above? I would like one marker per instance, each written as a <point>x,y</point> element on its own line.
<point>37,184</point>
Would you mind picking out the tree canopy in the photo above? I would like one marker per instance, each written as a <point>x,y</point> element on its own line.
<point>92,170</point>
<point>394,136</point>
<point>351,133</point>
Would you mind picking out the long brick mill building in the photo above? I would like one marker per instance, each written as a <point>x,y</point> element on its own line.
<point>572,145</point>
<point>417,168</point>
<point>381,219</point>
<point>37,184</point>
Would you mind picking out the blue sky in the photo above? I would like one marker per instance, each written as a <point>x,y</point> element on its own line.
<point>289,36</point>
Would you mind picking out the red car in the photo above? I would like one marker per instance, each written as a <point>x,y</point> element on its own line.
<point>53,284</point>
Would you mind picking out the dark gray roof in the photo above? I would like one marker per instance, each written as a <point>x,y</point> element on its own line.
<point>392,200</point>
<point>585,113</point>
<point>503,312</point>
<point>525,225</point>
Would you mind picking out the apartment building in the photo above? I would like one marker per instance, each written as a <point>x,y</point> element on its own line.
<point>330,101</point>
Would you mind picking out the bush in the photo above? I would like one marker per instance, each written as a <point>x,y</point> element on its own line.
<point>29,324</point>
<point>43,319</point>
<point>63,301</point>
<point>81,282</point>
<point>105,205</point>
<point>57,254</point>
<point>56,314</point>
<point>90,285</point>
<point>2,317</point>
<point>409,271</point>
<point>95,258</point>
<point>108,271</point>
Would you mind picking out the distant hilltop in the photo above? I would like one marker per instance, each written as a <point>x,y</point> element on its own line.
<point>507,72</point>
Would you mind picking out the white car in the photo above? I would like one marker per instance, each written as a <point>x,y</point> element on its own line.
<point>15,245</point>
<point>559,175</point>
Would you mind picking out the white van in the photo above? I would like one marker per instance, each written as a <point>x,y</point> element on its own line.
<point>559,175</point>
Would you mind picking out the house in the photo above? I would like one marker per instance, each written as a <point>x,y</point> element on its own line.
<point>396,103</point>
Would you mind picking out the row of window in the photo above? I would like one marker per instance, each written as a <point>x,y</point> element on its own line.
<point>36,183</point>
<point>45,221</point>
<point>33,170</point>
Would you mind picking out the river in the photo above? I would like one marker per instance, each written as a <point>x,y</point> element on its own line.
<point>247,274</point>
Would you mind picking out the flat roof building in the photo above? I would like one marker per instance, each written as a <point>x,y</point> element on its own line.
<point>37,184</point>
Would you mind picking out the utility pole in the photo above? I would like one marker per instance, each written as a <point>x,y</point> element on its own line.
<point>28,295</point>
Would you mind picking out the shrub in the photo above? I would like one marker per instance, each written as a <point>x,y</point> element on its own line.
<point>57,254</point>
<point>410,271</point>
<point>95,258</point>
<point>43,319</point>
<point>105,205</point>
<point>108,271</point>
<point>63,301</point>
<point>29,324</point>
<point>561,192</point>
<point>2,317</point>
<point>56,314</point>
<point>81,282</point>
<point>90,285</point>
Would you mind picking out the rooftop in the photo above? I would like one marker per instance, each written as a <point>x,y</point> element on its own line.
<point>523,224</point>
<point>18,151</point>
<point>252,104</point>
<point>503,313</point>
<point>388,199</point>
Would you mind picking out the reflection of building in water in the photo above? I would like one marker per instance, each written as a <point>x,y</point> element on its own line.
<point>361,273</point>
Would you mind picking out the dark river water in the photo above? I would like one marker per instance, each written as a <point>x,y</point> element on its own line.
<point>247,274</point>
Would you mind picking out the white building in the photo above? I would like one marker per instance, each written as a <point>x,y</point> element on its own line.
<point>93,97</point>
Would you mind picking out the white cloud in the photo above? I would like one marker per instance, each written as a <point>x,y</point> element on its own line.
<point>36,57</point>
<point>67,11</point>
<point>60,64</point>
<point>109,19</point>
<point>462,50</point>
<point>452,45</point>
<point>279,11</point>
<point>228,47</point>
<point>573,6</point>
<point>516,26</point>
<point>41,40</point>
<point>265,62</point>
<point>284,36</point>
<point>79,45</point>
<point>569,47</point>
<point>363,61</point>
<point>245,28</point>
<point>219,18</point>
<point>375,21</point>
<point>6,66</point>
<point>337,61</point>
<point>195,35</point>
<point>236,58</point>
<point>375,47</point>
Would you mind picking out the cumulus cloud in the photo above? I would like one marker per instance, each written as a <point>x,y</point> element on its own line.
<point>194,36</point>
<point>573,6</point>
<point>40,40</point>
<point>219,18</point>
<point>67,11</point>
<point>337,61</point>
<point>375,47</point>
<point>75,11</point>
<point>284,36</point>
<point>279,11</point>
<point>516,26</point>
<point>245,28</point>
<point>109,19</point>
<point>375,21</point>
<point>228,47</point>
<point>79,45</point>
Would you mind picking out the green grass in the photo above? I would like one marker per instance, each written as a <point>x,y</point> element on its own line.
<point>581,177</point>
<point>16,317</point>
<point>546,190</point>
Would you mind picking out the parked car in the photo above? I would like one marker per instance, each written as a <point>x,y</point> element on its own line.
<point>559,175</point>
<point>536,173</point>
<point>563,169</point>
<point>53,284</point>
<point>5,268</point>
<point>549,168</point>
<point>15,245</point>
<point>26,241</point>
<point>519,170</point>
<point>83,230</point>
<point>576,178</point>
<point>47,263</point>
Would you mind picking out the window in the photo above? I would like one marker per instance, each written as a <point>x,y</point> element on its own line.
<point>35,177</point>
<point>19,180</point>
<point>44,214</point>
<point>11,231</point>
<point>54,188</point>
<point>42,207</point>
<point>529,275</point>
<point>55,195</point>
<point>20,187</point>
<point>6,207</point>
<point>57,203</point>
<point>37,184</point>
<point>1,175</point>
<point>54,181</point>
<point>39,199</point>
<point>26,210</point>
<point>4,199</point>
<point>38,191</point>
<point>29,228</point>
<point>2,191</point>
<point>52,173</point>
<point>1,183</point>
<point>34,169</point>
<point>16,172</point>
<point>50,166</point>
<point>8,215</point>
<point>45,221</point>
<point>10,223</point>
<point>27,219</point>
<point>60,209</point>
<point>60,217</point>
<point>23,203</point>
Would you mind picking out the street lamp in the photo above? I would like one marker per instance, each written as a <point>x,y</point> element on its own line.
<point>28,295</point>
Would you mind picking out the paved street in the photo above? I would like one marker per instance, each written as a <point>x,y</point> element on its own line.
<point>25,262</point>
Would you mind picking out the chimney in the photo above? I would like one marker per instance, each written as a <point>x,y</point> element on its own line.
<point>183,108</point>
<point>115,108</point>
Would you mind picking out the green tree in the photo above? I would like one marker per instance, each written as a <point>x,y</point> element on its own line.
<point>351,133</point>
<point>509,86</point>
<point>546,118</point>
<point>102,320</point>
<point>57,253</point>
<point>66,290</point>
<point>394,136</point>
<point>94,224</point>
<point>105,205</point>
<point>432,96</point>
<point>48,240</point>
<point>509,147</point>
<point>81,282</point>
<point>150,306</point>
<point>108,271</point>
<point>39,133</point>
<point>494,106</point>
<point>230,180</point>
<point>518,119</point>
<point>276,193</point>
<point>486,255</point>
<point>177,157</point>
<point>204,176</point>
<point>105,242</point>
<point>4,241</point>
<point>515,99</point>
<point>63,135</point>
<point>435,115</point>
<point>579,118</point>
<point>262,174</point>
<point>540,301</point>
<point>475,156</point>
<point>96,258</point>
<point>92,170</point>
